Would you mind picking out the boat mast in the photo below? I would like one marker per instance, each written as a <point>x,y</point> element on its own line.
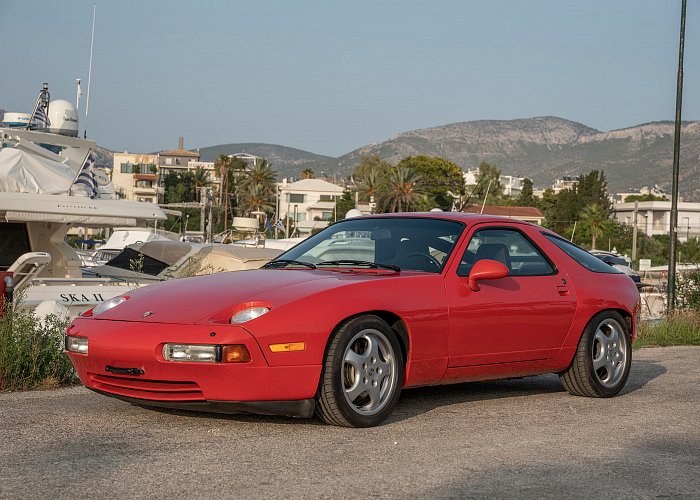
<point>92,43</point>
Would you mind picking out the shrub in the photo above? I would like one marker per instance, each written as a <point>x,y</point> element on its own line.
<point>30,351</point>
<point>688,290</point>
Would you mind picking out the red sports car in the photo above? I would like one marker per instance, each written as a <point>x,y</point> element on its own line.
<point>339,324</point>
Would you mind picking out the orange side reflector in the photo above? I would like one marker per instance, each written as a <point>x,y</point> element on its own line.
<point>288,347</point>
<point>236,353</point>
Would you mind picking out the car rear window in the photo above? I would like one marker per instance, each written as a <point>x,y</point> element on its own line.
<point>587,260</point>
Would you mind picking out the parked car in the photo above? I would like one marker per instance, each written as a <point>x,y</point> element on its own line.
<point>618,262</point>
<point>342,322</point>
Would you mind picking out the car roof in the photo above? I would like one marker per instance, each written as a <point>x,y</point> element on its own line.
<point>467,218</point>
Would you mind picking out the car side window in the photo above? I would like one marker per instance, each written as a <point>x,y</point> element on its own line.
<point>509,247</point>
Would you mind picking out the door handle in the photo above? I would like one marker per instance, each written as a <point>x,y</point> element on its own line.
<point>563,290</point>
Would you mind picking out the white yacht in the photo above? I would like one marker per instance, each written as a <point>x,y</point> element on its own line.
<point>47,186</point>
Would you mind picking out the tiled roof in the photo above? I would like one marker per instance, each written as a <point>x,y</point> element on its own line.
<point>506,211</point>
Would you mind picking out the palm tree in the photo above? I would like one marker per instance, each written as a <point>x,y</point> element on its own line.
<point>596,218</point>
<point>257,200</point>
<point>223,166</point>
<point>403,189</point>
<point>260,174</point>
<point>308,173</point>
<point>368,185</point>
<point>258,186</point>
<point>200,179</point>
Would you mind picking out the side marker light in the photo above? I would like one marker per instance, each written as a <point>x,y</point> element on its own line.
<point>288,347</point>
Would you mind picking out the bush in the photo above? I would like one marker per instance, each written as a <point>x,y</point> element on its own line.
<point>679,328</point>
<point>688,290</point>
<point>30,351</point>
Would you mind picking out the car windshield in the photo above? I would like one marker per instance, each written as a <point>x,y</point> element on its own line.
<point>417,244</point>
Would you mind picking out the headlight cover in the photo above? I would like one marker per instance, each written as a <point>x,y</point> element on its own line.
<point>248,314</point>
<point>76,344</point>
<point>108,304</point>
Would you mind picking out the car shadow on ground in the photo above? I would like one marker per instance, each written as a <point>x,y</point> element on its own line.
<point>415,402</point>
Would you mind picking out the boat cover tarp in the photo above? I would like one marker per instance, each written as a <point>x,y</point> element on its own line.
<point>21,172</point>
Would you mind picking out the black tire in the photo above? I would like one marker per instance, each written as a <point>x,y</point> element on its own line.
<point>362,374</point>
<point>603,358</point>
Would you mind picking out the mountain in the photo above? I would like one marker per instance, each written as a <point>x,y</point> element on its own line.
<point>545,148</point>
<point>288,162</point>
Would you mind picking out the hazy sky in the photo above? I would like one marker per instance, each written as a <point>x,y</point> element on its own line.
<point>329,76</point>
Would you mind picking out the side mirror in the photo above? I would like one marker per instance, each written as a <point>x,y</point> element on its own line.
<point>486,269</point>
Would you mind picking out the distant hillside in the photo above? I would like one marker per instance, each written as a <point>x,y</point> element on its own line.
<point>288,162</point>
<point>547,147</point>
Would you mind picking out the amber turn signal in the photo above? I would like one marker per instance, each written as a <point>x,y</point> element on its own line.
<point>236,353</point>
<point>288,347</point>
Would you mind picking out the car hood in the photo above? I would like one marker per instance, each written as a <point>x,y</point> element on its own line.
<point>192,300</point>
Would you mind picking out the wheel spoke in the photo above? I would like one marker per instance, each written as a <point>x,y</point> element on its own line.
<point>355,360</point>
<point>614,335</point>
<point>374,394</point>
<point>601,337</point>
<point>599,362</point>
<point>373,348</point>
<point>356,390</point>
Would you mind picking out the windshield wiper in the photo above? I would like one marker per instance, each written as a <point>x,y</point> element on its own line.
<point>366,263</point>
<point>283,262</point>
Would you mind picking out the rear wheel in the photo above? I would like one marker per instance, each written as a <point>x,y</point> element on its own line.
<point>603,359</point>
<point>362,374</point>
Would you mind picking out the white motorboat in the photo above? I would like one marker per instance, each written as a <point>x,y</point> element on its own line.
<point>47,186</point>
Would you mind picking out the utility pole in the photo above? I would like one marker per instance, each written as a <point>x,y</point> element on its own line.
<point>671,305</point>
<point>634,231</point>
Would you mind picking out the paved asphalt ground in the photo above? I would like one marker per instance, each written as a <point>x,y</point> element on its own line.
<point>523,438</point>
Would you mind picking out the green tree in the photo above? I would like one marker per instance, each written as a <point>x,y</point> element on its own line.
<point>526,197</point>
<point>257,188</point>
<point>596,220</point>
<point>344,204</point>
<point>488,184</point>
<point>308,173</point>
<point>592,189</point>
<point>403,190</point>
<point>441,181</point>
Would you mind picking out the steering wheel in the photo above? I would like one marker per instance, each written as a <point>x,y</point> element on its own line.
<point>428,258</point>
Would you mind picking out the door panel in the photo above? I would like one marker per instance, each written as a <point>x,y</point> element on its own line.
<point>517,318</point>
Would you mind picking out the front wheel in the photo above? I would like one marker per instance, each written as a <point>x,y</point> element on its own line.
<point>603,358</point>
<point>362,374</point>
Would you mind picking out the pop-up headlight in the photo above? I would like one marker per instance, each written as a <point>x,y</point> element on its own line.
<point>248,314</point>
<point>108,304</point>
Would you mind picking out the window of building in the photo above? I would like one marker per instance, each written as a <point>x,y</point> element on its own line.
<point>329,197</point>
<point>327,216</point>
<point>126,168</point>
<point>296,198</point>
<point>168,161</point>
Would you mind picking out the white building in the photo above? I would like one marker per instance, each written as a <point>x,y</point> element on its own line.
<point>309,202</point>
<point>654,217</point>
<point>135,176</point>
<point>512,186</point>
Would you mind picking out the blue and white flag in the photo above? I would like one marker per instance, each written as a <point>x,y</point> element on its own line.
<point>280,225</point>
<point>86,179</point>
<point>40,118</point>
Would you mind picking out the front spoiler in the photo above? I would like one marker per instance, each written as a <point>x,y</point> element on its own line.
<point>303,408</point>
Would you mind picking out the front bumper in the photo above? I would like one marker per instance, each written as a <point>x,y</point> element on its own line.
<point>303,408</point>
<point>145,378</point>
